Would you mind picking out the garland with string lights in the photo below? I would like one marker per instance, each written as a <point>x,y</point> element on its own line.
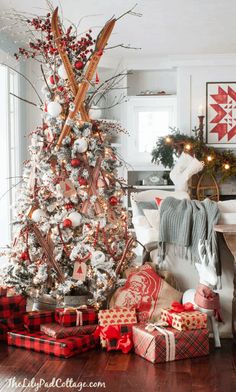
<point>169,147</point>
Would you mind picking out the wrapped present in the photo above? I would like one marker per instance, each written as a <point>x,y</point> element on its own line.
<point>3,331</point>
<point>158,344</point>
<point>13,322</point>
<point>64,348</point>
<point>10,324</point>
<point>71,317</point>
<point>117,316</point>
<point>116,337</point>
<point>33,320</point>
<point>3,291</point>
<point>58,331</point>
<point>184,317</point>
<point>12,306</point>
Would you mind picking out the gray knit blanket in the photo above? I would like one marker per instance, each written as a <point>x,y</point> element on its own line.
<point>185,222</point>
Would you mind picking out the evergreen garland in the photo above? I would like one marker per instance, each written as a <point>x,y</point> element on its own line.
<point>169,147</point>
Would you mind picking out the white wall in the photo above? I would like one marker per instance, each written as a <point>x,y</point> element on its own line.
<point>191,90</point>
<point>159,80</point>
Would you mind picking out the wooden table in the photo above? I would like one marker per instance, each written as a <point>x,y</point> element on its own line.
<point>229,233</point>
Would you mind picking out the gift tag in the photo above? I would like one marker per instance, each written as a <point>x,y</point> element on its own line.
<point>67,188</point>
<point>80,270</point>
<point>49,135</point>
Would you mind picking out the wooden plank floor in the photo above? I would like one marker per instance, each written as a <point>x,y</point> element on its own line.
<point>121,373</point>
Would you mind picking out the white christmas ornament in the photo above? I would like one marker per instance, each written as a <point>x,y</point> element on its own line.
<point>54,108</point>
<point>95,113</point>
<point>75,218</point>
<point>81,145</point>
<point>98,257</point>
<point>37,215</point>
<point>62,72</point>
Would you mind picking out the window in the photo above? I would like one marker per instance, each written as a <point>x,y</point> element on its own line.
<point>148,119</point>
<point>9,149</point>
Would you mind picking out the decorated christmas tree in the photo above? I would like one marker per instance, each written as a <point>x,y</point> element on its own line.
<point>70,231</point>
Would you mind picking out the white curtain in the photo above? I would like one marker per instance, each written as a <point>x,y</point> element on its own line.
<point>9,152</point>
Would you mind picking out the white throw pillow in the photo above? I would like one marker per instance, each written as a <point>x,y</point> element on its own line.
<point>227,206</point>
<point>227,218</point>
<point>153,218</point>
<point>141,221</point>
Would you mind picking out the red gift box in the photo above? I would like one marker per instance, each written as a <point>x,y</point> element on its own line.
<point>169,344</point>
<point>116,337</point>
<point>12,323</point>
<point>33,320</point>
<point>3,331</point>
<point>63,348</point>
<point>71,317</point>
<point>58,332</point>
<point>12,306</point>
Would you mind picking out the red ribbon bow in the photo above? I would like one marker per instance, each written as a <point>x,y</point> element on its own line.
<point>177,307</point>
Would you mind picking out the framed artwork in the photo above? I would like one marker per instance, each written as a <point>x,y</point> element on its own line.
<point>221,113</point>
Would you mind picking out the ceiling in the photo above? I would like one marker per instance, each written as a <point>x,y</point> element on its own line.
<point>167,27</point>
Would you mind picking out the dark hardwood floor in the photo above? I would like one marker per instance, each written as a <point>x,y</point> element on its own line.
<point>121,373</point>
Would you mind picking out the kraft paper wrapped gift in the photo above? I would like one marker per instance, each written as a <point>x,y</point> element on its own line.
<point>183,317</point>
<point>117,316</point>
<point>64,348</point>
<point>168,344</point>
<point>58,331</point>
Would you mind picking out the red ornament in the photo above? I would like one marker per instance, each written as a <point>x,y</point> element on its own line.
<point>113,201</point>
<point>82,181</point>
<point>79,65</point>
<point>69,206</point>
<point>67,223</point>
<point>75,162</point>
<point>100,52</point>
<point>97,80</point>
<point>60,88</point>
<point>24,256</point>
<point>54,79</point>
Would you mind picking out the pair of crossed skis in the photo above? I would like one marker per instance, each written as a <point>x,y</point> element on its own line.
<point>80,94</point>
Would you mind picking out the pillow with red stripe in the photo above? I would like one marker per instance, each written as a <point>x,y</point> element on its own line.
<point>158,201</point>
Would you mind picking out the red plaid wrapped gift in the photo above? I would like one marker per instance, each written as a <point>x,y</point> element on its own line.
<point>12,306</point>
<point>33,320</point>
<point>63,348</point>
<point>57,331</point>
<point>12,323</point>
<point>71,317</point>
<point>157,344</point>
<point>116,337</point>
<point>3,330</point>
<point>117,316</point>
<point>184,317</point>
